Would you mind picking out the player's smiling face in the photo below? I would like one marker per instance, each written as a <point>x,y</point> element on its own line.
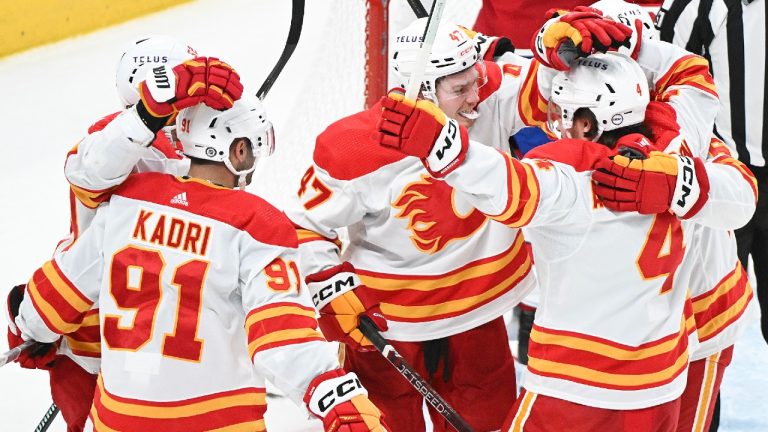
<point>458,96</point>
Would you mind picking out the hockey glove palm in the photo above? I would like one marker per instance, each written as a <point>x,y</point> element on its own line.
<point>203,79</point>
<point>576,34</point>
<point>336,296</point>
<point>39,356</point>
<point>421,129</point>
<point>342,403</point>
<point>647,181</point>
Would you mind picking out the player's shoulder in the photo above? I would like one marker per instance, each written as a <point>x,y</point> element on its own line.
<point>347,149</point>
<point>102,122</point>
<point>239,209</point>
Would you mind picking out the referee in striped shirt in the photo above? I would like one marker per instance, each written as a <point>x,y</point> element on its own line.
<point>731,35</point>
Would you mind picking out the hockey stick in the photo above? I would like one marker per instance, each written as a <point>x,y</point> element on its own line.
<point>414,84</point>
<point>47,420</point>
<point>11,355</point>
<point>418,8</point>
<point>297,21</point>
<point>369,329</point>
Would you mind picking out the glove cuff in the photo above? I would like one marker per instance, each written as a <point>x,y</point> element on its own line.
<point>154,124</point>
<point>326,285</point>
<point>449,151</point>
<point>13,302</point>
<point>687,194</point>
<point>330,389</point>
<point>702,186</point>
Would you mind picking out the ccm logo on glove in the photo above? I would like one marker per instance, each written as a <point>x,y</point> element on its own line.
<point>687,180</point>
<point>336,286</point>
<point>329,399</point>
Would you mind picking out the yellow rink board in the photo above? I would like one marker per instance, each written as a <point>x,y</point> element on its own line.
<point>26,24</point>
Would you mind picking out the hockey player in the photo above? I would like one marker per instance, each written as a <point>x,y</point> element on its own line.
<point>434,273</point>
<point>115,146</point>
<point>182,311</point>
<point>721,295</point>
<point>609,348</point>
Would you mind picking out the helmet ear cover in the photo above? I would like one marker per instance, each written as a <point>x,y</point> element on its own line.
<point>140,57</point>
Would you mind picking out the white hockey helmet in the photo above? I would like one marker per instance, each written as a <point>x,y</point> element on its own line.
<point>627,14</point>
<point>610,85</point>
<point>452,51</point>
<point>206,133</point>
<point>143,54</point>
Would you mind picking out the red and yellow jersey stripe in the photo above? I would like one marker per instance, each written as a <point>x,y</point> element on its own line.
<point>717,308</point>
<point>86,340</point>
<point>532,105</point>
<point>234,410</point>
<point>280,324</point>
<point>417,298</point>
<point>523,192</point>
<point>690,70</point>
<point>603,363</point>
<point>58,302</point>
<point>720,154</point>
<point>306,236</point>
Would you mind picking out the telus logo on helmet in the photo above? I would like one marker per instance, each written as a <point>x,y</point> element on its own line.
<point>410,38</point>
<point>592,63</point>
<point>150,59</point>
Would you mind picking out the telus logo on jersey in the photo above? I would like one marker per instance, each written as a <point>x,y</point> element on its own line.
<point>171,231</point>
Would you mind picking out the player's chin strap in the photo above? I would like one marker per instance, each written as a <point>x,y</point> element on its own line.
<point>241,175</point>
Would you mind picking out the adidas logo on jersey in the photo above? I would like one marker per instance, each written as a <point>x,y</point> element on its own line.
<point>180,199</point>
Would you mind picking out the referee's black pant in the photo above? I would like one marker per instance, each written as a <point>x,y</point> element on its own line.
<point>752,239</point>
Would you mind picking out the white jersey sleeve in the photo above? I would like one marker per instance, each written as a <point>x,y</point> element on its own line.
<point>683,81</point>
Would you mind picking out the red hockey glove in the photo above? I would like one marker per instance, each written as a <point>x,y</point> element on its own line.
<point>340,305</point>
<point>648,181</point>
<point>209,80</point>
<point>342,403</point>
<point>39,356</point>
<point>424,131</point>
<point>576,34</point>
<point>490,47</point>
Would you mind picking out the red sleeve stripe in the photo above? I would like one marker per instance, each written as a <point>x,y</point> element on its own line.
<point>523,190</point>
<point>691,70</point>
<point>722,305</point>
<point>86,340</point>
<point>234,410</point>
<point>59,303</point>
<point>602,363</point>
<point>306,236</point>
<point>282,338</point>
<point>531,105</point>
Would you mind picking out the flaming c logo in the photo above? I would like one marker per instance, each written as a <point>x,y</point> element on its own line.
<point>434,220</point>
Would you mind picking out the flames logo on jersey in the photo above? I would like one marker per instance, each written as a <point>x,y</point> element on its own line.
<point>434,220</point>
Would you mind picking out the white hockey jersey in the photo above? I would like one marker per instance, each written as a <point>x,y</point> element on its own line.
<point>193,282</point>
<point>614,323</point>
<point>437,266</point>
<point>722,298</point>
<point>113,149</point>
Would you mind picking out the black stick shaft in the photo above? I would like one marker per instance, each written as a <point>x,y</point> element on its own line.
<point>417,8</point>
<point>369,329</point>
<point>47,420</point>
<point>297,21</point>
